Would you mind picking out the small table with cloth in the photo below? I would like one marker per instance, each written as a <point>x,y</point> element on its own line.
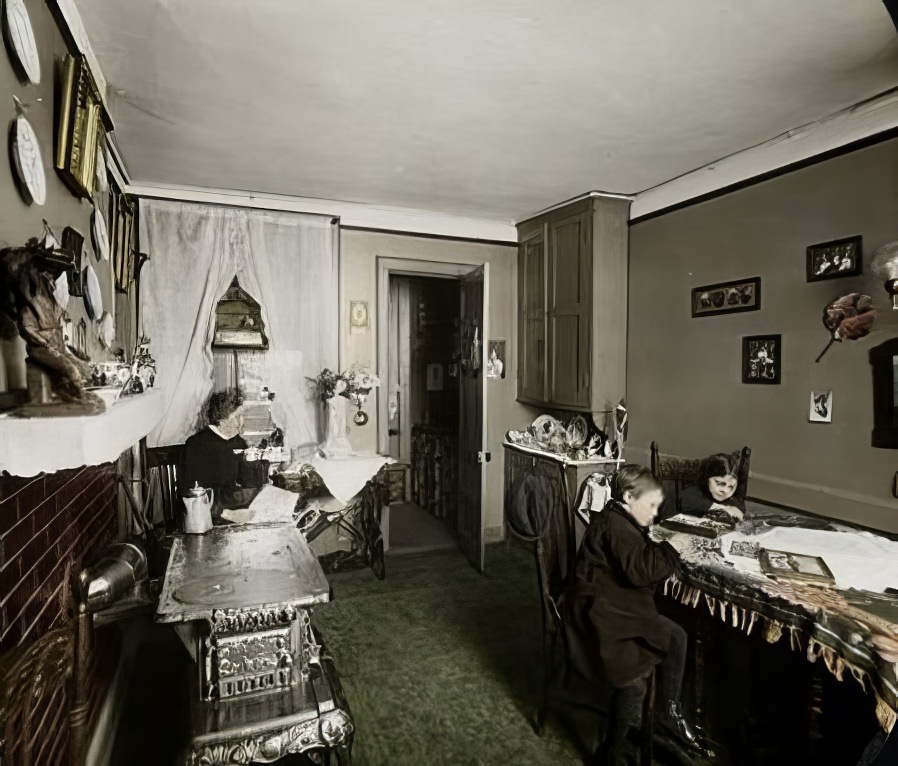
<point>340,503</point>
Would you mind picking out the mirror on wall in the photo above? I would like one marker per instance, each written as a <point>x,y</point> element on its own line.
<point>884,359</point>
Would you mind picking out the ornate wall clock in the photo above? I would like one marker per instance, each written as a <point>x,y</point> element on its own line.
<point>18,35</point>
<point>25,158</point>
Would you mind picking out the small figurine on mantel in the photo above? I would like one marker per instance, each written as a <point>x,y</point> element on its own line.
<point>56,378</point>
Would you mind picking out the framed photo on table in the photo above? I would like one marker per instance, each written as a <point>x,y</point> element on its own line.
<point>801,567</point>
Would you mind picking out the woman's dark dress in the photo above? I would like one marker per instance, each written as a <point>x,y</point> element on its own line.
<point>210,461</point>
<point>696,501</point>
<point>613,628</point>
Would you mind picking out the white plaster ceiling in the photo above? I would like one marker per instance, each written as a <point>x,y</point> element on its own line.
<point>490,108</point>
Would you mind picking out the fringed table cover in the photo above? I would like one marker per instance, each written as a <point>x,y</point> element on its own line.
<point>821,622</point>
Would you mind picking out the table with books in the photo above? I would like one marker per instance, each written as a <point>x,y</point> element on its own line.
<point>825,587</point>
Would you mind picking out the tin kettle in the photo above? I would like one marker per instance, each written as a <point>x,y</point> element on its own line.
<point>198,504</point>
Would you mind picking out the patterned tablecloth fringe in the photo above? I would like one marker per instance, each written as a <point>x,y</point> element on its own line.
<point>743,618</point>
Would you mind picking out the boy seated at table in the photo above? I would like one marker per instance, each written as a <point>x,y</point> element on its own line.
<point>211,457</point>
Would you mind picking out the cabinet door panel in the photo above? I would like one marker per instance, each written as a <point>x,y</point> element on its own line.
<point>569,313</point>
<point>532,319</point>
<point>565,365</point>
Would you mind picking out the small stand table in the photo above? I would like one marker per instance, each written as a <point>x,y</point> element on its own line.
<point>240,598</point>
<point>348,495</point>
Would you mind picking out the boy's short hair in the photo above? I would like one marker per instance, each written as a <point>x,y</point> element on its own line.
<point>634,478</point>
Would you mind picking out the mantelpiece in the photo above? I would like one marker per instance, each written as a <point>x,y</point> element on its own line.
<point>29,446</point>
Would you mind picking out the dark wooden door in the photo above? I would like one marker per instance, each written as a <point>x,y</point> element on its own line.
<point>472,415</point>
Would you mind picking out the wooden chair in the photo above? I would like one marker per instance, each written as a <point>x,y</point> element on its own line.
<point>161,475</point>
<point>675,473</point>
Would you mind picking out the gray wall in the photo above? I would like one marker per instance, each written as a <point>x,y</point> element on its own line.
<point>684,374</point>
<point>18,221</point>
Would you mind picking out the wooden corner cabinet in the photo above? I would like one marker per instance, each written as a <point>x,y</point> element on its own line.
<point>572,300</point>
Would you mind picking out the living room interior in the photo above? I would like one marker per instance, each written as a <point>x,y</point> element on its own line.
<point>700,148</point>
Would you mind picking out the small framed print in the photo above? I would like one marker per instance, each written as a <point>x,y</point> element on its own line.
<point>761,358</point>
<point>726,297</point>
<point>495,363</point>
<point>838,258</point>
<point>821,407</point>
<point>358,314</point>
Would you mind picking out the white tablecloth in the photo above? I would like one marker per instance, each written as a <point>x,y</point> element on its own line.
<point>345,477</point>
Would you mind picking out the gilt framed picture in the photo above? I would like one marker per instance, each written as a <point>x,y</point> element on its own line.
<point>838,258</point>
<point>726,297</point>
<point>762,358</point>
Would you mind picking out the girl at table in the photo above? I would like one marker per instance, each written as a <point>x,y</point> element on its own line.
<point>614,631</point>
<point>718,492</point>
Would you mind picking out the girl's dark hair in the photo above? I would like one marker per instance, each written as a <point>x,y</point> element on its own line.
<point>719,464</point>
<point>633,478</point>
<point>220,404</point>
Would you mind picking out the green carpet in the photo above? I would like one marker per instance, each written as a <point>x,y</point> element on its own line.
<point>441,664</point>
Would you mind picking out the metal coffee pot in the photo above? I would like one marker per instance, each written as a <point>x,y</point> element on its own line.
<point>198,503</point>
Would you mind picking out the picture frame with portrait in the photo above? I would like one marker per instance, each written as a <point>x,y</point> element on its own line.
<point>802,567</point>
<point>834,259</point>
<point>762,359</point>
<point>726,297</point>
<point>495,360</point>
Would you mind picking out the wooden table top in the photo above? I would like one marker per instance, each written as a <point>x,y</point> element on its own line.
<point>263,566</point>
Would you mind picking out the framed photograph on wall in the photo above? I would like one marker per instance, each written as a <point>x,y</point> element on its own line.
<point>727,297</point>
<point>838,258</point>
<point>761,358</point>
<point>820,409</point>
<point>495,363</point>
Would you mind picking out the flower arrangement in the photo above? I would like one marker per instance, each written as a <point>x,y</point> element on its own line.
<point>355,384</point>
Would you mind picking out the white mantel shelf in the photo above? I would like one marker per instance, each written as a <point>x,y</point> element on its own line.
<point>29,446</point>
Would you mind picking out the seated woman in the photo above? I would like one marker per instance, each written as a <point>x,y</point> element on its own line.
<point>614,630</point>
<point>718,492</point>
<point>209,459</point>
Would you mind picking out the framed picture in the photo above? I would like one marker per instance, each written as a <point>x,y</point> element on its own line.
<point>82,122</point>
<point>761,358</point>
<point>821,407</point>
<point>795,566</point>
<point>495,362</point>
<point>838,258</point>
<point>727,297</point>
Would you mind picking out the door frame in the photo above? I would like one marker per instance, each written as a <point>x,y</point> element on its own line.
<point>411,267</point>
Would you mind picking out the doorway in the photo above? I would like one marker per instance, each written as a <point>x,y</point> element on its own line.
<point>423,409</point>
<point>431,405</point>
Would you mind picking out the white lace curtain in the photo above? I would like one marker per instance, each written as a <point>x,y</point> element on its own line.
<point>286,261</point>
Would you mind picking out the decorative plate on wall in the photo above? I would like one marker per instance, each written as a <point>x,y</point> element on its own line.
<point>99,236</point>
<point>106,330</point>
<point>93,296</point>
<point>25,157</point>
<point>18,35</point>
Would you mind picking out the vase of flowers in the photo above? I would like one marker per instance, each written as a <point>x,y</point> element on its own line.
<point>334,389</point>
